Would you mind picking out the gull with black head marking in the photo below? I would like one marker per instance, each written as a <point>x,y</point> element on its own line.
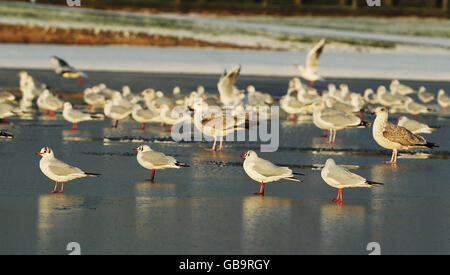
<point>59,171</point>
<point>65,70</point>
<point>153,160</point>
<point>264,171</point>
<point>339,177</point>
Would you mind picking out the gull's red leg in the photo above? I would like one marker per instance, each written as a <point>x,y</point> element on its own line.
<point>294,117</point>
<point>153,176</point>
<point>116,124</point>
<point>261,190</point>
<point>74,126</point>
<point>330,139</point>
<point>325,133</point>
<point>339,196</point>
<point>214,145</point>
<point>220,144</point>
<point>62,188</point>
<point>54,189</point>
<point>142,126</point>
<point>311,84</point>
<point>80,81</point>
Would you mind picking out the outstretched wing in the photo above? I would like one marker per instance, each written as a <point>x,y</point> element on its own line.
<point>312,60</point>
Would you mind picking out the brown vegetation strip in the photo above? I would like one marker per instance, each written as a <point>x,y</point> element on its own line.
<point>50,35</point>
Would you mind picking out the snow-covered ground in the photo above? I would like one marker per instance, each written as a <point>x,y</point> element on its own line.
<point>395,64</point>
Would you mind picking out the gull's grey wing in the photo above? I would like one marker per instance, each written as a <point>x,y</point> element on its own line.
<point>146,113</point>
<point>78,114</point>
<point>60,168</point>
<point>268,169</point>
<point>402,136</point>
<point>340,119</point>
<point>344,176</point>
<point>119,110</point>
<point>157,158</point>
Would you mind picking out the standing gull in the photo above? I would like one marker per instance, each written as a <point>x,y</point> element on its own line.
<point>311,71</point>
<point>74,116</point>
<point>59,171</point>
<point>116,112</point>
<point>153,160</point>
<point>424,96</point>
<point>334,120</point>
<point>264,171</point>
<point>339,177</point>
<point>414,126</point>
<point>443,100</point>
<point>395,137</point>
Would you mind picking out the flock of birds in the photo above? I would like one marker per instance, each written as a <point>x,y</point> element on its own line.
<point>332,110</point>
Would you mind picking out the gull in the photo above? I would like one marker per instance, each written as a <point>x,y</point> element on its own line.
<point>59,171</point>
<point>344,92</point>
<point>172,116</point>
<point>415,108</point>
<point>370,97</point>
<point>6,111</point>
<point>30,86</point>
<point>49,102</point>
<point>144,115</point>
<point>387,99</point>
<point>229,94</point>
<point>217,124</point>
<point>264,171</point>
<point>128,95</point>
<point>116,112</point>
<point>177,96</point>
<point>401,88</point>
<point>341,106</point>
<point>334,120</point>
<point>443,100</point>
<point>339,177</point>
<point>5,135</point>
<point>310,72</point>
<point>153,160</point>
<point>74,116</point>
<point>161,100</point>
<point>292,106</point>
<point>395,137</point>
<point>256,98</point>
<point>296,84</point>
<point>93,98</point>
<point>306,98</point>
<point>425,96</point>
<point>65,70</point>
<point>6,96</point>
<point>414,126</point>
<point>120,101</point>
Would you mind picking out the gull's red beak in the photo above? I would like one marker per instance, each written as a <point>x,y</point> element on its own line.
<point>243,156</point>
<point>38,153</point>
<point>135,149</point>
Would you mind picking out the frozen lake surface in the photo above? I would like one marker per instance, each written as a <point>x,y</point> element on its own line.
<point>209,208</point>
